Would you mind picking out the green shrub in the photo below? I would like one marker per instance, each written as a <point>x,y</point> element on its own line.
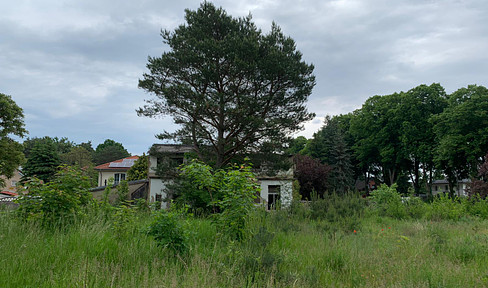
<point>416,207</point>
<point>445,208</point>
<point>123,221</point>
<point>231,191</point>
<point>197,187</point>
<point>167,230</point>
<point>476,206</point>
<point>386,201</point>
<point>57,202</point>
<point>122,193</point>
<point>239,189</point>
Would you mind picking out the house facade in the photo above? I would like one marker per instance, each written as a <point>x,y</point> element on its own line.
<point>116,169</point>
<point>442,186</point>
<point>11,183</point>
<point>274,189</point>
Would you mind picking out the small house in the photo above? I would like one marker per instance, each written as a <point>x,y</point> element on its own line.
<point>116,169</point>
<point>275,188</point>
<point>442,186</point>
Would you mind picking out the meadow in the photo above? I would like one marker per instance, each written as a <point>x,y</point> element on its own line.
<point>302,246</point>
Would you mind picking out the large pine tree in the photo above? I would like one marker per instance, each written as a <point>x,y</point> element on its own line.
<point>230,87</point>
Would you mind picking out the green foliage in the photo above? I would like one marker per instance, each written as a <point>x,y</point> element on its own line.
<point>329,145</point>
<point>78,156</point>
<point>57,202</point>
<point>197,187</point>
<point>12,123</point>
<point>167,230</point>
<point>139,170</point>
<point>341,211</point>
<point>231,191</point>
<point>107,191</point>
<point>11,157</point>
<point>123,221</point>
<point>393,133</point>
<point>446,208</point>
<point>476,206</point>
<point>61,145</point>
<point>462,133</point>
<point>122,193</point>
<point>297,145</point>
<point>239,189</point>
<point>109,151</point>
<point>416,207</point>
<point>215,82</point>
<point>388,202</point>
<point>42,163</point>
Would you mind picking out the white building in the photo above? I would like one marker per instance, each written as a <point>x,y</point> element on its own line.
<point>442,186</point>
<point>116,169</point>
<point>273,188</point>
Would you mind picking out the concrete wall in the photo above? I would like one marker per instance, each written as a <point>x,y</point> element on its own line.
<point>286,187</point>
<point>153,163</point>
<point>98,193</point>
<point>157,186</point>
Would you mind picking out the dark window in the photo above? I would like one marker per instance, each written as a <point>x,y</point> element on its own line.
<point>273,196</point>
<point>176,161</point>
<point>119,177</point>
<point>159,197</point>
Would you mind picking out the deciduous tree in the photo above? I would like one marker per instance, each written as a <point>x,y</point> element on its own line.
<point>11,123</point>
<point>42,163</point>
<point>312,176</point>
<point>108,151</point>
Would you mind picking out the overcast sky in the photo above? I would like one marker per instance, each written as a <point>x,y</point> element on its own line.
<point>74,66</point>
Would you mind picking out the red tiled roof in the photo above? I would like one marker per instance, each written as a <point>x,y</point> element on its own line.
<point>106,165</point>
<point>9,193</point>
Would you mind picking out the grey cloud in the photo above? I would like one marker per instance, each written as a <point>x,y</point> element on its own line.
<point>74,66</point>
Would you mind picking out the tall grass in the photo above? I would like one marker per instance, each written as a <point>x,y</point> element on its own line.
<point>288,248</point>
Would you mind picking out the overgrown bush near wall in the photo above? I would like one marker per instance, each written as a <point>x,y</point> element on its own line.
<point>239,188</point>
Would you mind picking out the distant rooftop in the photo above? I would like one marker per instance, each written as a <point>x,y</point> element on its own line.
<point>171,148</point>
<point>121,164</point>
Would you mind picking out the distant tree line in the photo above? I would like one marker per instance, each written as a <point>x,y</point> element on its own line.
<point>415,136</point>
<point>44,156</point>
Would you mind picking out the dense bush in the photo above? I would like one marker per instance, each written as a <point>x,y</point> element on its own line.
<point>230,192</point>
<point>57,202</point>
<point>196,186</point>
<point>476,206</point>
<point>386,201</point>
<point>167,230</point>
<point>444,207</point>
<point>239,189</point>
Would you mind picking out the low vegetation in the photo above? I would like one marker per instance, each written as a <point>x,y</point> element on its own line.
<point>338,241</point>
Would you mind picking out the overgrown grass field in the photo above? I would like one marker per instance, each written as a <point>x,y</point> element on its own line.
<point>284,249</point>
